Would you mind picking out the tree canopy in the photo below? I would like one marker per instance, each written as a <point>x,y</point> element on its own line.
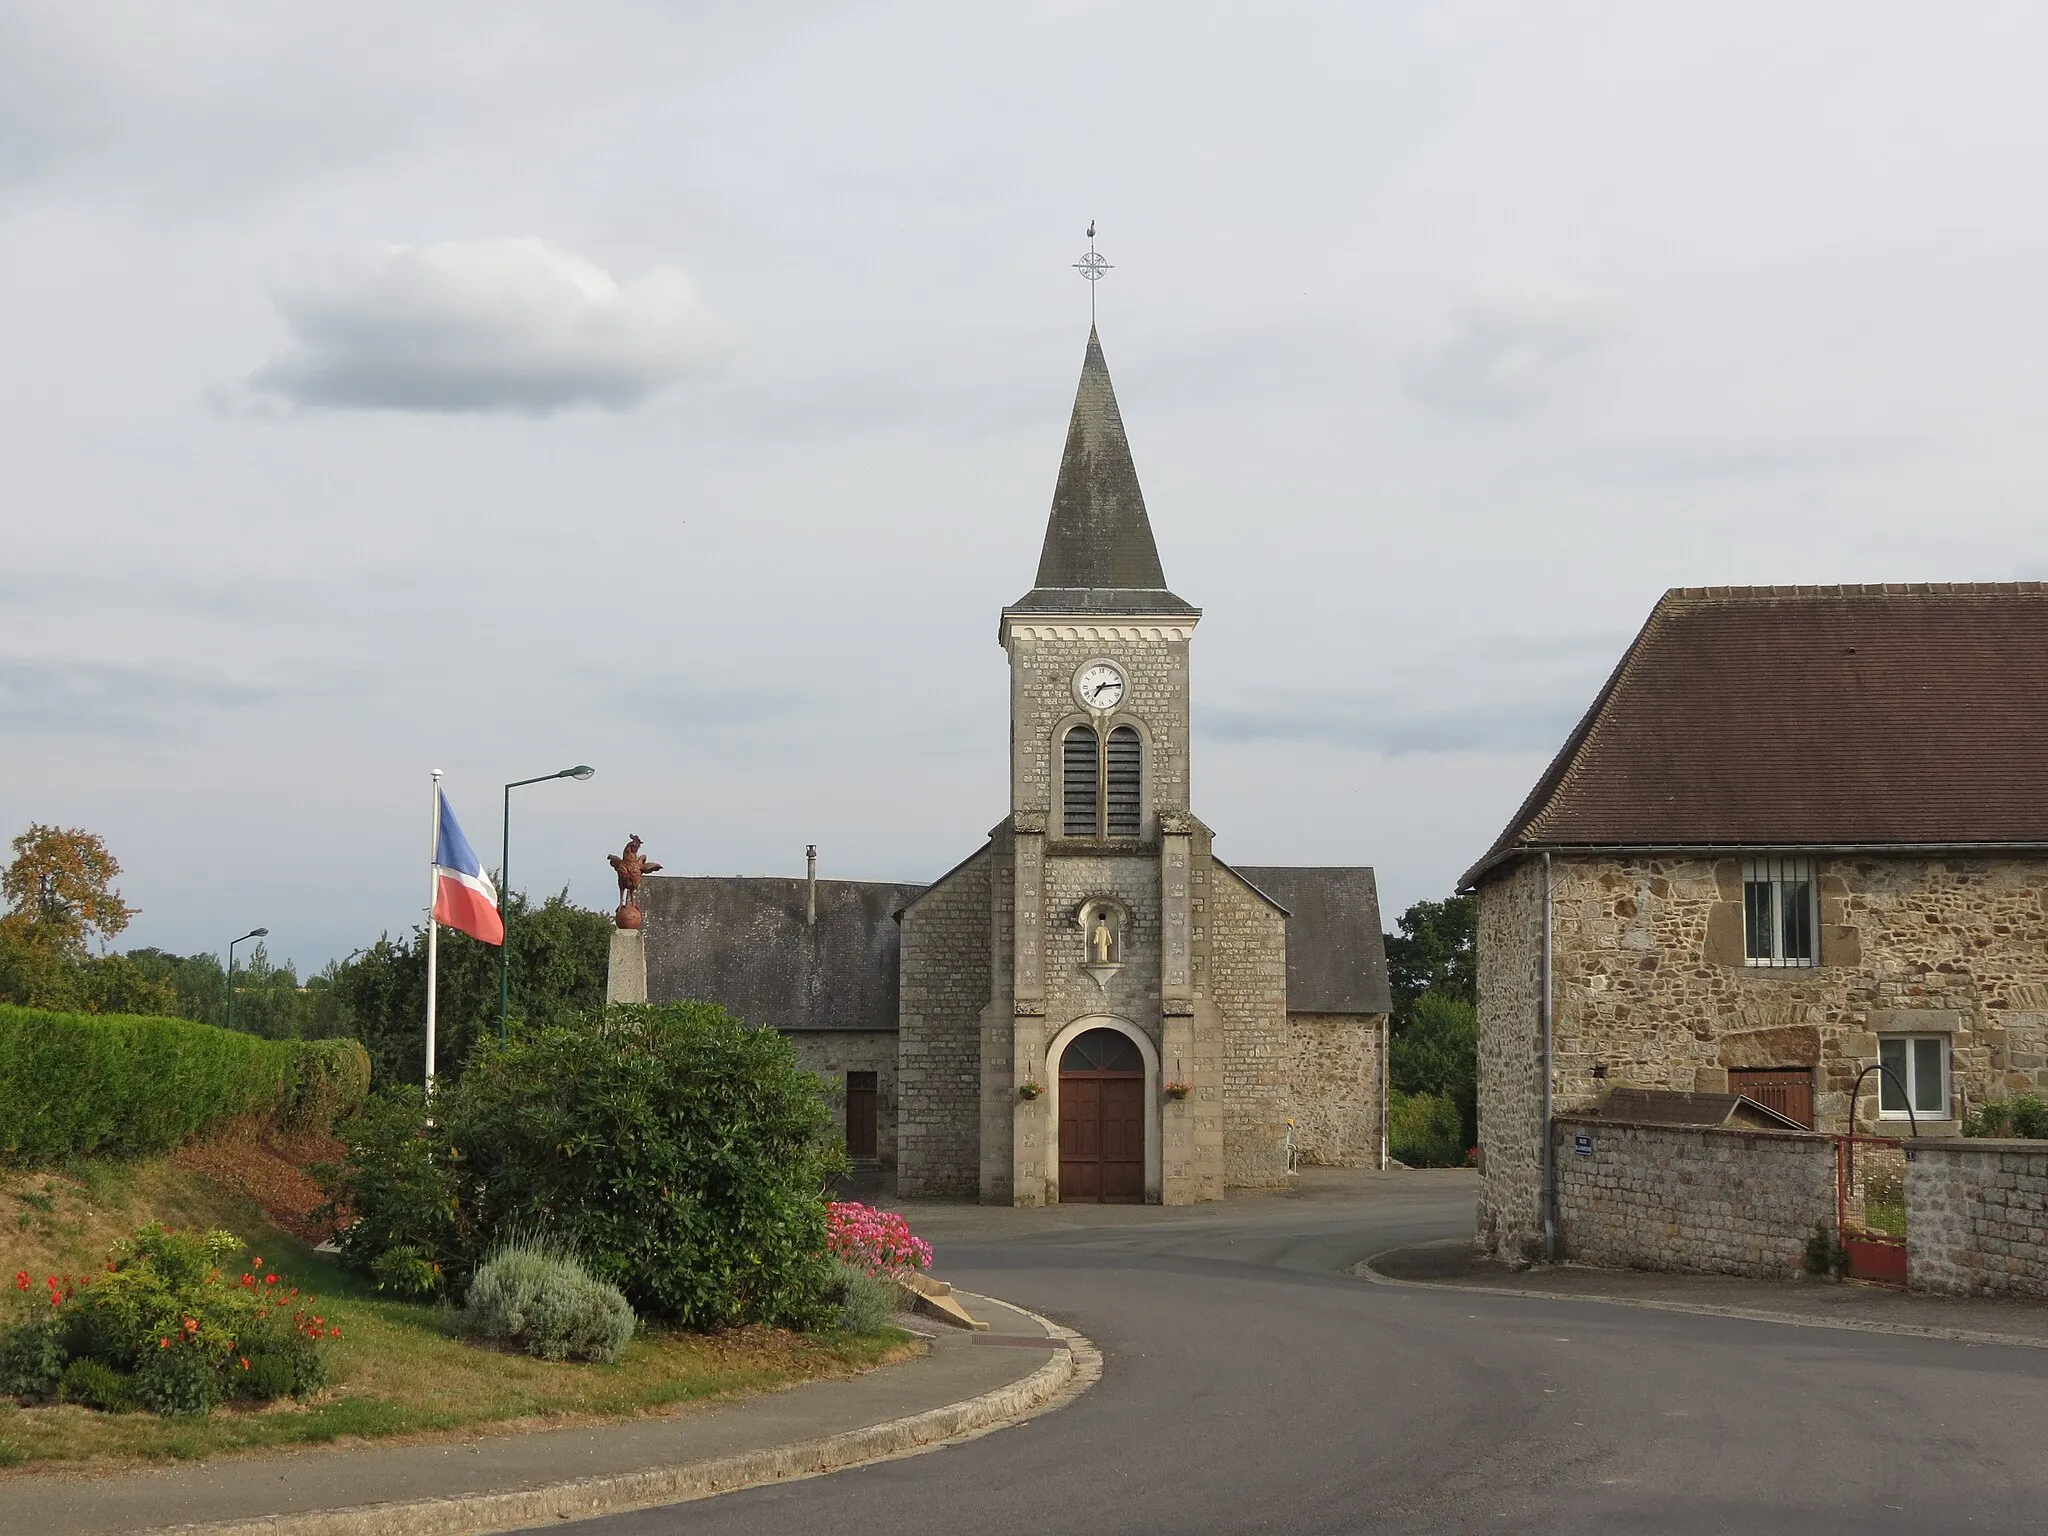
<point>59,890</point>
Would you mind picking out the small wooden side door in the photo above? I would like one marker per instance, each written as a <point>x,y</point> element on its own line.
<point>861,1094</point>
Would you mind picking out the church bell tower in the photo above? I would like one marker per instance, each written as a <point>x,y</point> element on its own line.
<point>1100,860</point>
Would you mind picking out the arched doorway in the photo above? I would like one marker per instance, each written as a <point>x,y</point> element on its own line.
<point>1102,1120</point>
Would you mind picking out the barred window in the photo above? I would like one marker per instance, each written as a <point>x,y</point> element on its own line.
<point>1778,916</point>
<point>1081,780</point>
<point>1126,774</point>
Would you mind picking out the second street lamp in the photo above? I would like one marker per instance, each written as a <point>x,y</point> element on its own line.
<point>253,933</point>
<point>580,771</point>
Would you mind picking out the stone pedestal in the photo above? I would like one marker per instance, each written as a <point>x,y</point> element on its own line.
<point>627,981</point>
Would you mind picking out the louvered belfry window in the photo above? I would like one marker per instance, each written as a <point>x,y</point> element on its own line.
<point>1126,772</point>
<point>1081,778</point>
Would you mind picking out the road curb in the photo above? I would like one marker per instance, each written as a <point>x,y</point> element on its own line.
<point>1070,1372</point>
<point>1364,1270</point>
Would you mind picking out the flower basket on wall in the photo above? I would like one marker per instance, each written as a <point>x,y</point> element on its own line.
<point>1028,1090</point>
<point>1178,1091</point>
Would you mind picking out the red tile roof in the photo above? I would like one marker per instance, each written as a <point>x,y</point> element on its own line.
<point>1810,717</point>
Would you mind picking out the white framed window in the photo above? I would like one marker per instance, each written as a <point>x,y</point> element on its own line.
<point>1916,1073</point>
<point>1780,915</point>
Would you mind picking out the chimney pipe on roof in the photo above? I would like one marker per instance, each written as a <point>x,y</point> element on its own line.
<point>811,885</point>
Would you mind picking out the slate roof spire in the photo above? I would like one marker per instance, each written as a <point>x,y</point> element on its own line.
<point>1099,555</point>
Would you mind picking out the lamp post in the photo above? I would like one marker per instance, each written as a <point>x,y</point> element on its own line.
<point>580,771</point>
<point>253,933</point>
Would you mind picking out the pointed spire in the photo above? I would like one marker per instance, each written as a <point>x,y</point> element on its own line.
<point>1099,553</point>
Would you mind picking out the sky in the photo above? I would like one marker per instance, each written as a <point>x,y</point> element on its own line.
<point>679,389</point>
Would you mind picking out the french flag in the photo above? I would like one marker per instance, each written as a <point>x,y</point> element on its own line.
<point>463,896</point>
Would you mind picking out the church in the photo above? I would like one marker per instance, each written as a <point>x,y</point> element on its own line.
<point>1091,1006</point>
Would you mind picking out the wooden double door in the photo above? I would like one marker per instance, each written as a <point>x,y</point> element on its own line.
<point>1102,1120</point>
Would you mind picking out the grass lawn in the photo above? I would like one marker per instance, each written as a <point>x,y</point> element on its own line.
<point>397,1368</point>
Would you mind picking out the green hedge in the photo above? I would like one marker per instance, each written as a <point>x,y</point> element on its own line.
<point>117,1085</point>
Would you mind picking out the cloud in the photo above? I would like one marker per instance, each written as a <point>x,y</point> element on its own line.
<point>51,696</point>
<point>483,325</point>
<point>1507,352</point>
<point>1494,693</point>
<point>1386,724</point>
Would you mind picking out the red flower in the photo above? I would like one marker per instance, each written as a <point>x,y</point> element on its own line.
<point>248,1280</point>
<point>163,1343</point>
<point>270,1279</point>
<point>245,1362</point>
<point>257,1262</point>
<point>21,1279</point>
<point>334,1333</point>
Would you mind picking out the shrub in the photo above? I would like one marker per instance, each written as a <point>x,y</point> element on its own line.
<point>124,1086</point>
<point>96,1384</point>
<point>1423,1130</point>
<point>865,1301</point>
<point>877,1242</point>
<point>32,1358</point>
<point>331,1081</point>
<point>543,1299</point>
<point>680,1151</point>
<point>1823,1255</point>
<point>2025,1117</point>
<point>396,1189</point>
<point>179,1383</point>
<point>168,1327</point>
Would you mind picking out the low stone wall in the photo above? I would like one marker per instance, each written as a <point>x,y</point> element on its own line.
<point>1977,1218</point>
<point>1708,1201</point>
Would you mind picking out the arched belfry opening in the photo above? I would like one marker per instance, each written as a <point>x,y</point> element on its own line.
<point>1102,1119</point>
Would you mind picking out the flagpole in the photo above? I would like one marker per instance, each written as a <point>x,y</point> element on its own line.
<point>433,928</point>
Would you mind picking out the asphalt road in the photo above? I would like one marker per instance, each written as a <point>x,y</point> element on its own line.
<point>1252,1384</point>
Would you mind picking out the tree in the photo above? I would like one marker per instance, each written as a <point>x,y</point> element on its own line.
<point>560,957</point>
<point>1436,951</point>
<point>59,890</point>
<point>1438,1054</point>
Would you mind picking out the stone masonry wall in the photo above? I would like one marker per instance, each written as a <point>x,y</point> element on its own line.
<point>1977,1218</point>
<point>1651,989</point>
<point>1689,1198</point>
<point>1044,657</point>
<point>1241,963</point>
<point>1651,984</point>
<point>1510,1064</point>
<point>832,1053</point>
<point>1333,1065</point>
<point>945,985</point>
<point>1070,992</point>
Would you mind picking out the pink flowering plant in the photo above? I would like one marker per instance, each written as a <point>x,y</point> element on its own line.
<point>877,1242</point>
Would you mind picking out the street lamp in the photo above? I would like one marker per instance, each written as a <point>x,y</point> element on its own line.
<point>253,933</point>
<point>580,771</point>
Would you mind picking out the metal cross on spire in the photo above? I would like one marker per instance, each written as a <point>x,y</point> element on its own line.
<point>1092,267</point>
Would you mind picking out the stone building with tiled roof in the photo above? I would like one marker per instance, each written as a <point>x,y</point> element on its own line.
<point>1092,1005</point>
<point>1798,844</point>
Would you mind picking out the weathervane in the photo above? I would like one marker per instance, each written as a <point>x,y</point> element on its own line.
<point>1092,267</point>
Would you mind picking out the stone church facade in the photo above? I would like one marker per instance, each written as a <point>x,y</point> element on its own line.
<point>1092,1005</point>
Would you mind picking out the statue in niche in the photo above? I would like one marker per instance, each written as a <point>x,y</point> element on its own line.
<point>1101,942</point>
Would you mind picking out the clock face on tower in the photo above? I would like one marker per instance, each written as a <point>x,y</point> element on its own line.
<point>1099,686</point>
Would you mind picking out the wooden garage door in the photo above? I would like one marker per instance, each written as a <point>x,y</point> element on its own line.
<point>1102,1120</point>
<point>1788,1090</point>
